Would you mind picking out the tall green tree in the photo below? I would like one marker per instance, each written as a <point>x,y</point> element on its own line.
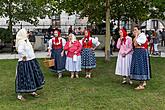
<point>157,9</point>
<point>25,10</point>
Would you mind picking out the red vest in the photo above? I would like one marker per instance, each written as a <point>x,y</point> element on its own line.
<point>145,45</point>
<point>54,44</point>
<point>87,44</point>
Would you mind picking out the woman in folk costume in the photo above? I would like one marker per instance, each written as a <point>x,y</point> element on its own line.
<point>140,66</point>
<point>29,77</point>
<point>73,60</point>
<point>123,65</point>
<point>88,60</point>
<point>55,49</point>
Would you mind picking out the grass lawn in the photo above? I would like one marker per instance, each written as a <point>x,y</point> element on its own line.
<point>103,92</point>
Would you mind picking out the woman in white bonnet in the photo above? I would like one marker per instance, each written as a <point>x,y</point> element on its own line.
<point>29,77</point>
<point>73,60</point>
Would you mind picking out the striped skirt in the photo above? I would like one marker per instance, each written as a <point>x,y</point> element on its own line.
<point>29,77</point>
<point>59,61</point>
<point>88,60</point>
<point>140,66</point>
<point>74,66</point>
<point>123,65</point>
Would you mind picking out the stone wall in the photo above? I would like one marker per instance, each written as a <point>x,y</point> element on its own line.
<point>39,44</point>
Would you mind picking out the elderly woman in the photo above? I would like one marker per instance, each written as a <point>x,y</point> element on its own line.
<point>88,60</point>
<point>73,60</point>
<point>55,49</point>
<point>123,65</point>
<point>29,77</point>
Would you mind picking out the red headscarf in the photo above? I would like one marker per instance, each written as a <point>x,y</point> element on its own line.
<point>87,37</point>
<point>124,35</point>
<point>56,38</point>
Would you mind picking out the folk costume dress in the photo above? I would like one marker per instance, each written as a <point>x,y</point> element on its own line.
<point>88,60</point>
<point>123,65</point>
<point>140,65</point>
<point>56,45</point>
<point>29,77</point>
<point>73,51</point>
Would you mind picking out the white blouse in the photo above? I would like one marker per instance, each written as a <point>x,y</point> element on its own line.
<point>50,43</point>
<point>141,39</point>
<point>25,49</point>
<point>95,41</point>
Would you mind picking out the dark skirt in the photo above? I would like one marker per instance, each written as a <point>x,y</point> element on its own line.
<point>88,60</point>
<point>140,66</point>
<point>29,77</point>
<point>59,61</point>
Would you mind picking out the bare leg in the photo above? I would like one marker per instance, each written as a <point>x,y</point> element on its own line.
<point>90,70</point>
<point>124,80</point>
<point>72,75</point>
<point>77,75</point>
<point>59,75</point>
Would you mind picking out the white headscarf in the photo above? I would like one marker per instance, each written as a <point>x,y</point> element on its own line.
<point>73,37</point>
<point>21,37</point>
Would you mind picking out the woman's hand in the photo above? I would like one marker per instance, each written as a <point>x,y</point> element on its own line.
<point>94,48</point>
<point>48,53</point>
<point>123,55</point>
<point>24,58</point>
<point>62,53</point>
<point>70,44</point>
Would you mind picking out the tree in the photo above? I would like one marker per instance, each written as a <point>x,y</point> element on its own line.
<point>23,10</point>
<point>157,9</point>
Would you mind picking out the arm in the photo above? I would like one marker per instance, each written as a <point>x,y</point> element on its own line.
<point>96,42</point>
<point>79,48</point>
<point>118,43</point>
<point>21,51</point>
<point>66,47</point>
<point>129,46</point>
<point>50,47</point>
<point>63,44</point>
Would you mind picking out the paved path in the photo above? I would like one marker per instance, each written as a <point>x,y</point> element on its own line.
<point>99,53</point>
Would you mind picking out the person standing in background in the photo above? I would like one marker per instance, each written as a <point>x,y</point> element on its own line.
<point>163,37</point>
<point>46,40</point>
<point>32,38</point>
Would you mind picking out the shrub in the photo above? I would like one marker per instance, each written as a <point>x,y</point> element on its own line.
<point>5,35</point>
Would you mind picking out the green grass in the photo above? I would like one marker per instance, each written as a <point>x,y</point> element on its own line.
<point>103,92</point>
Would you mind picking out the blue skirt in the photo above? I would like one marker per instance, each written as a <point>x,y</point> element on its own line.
<point>88,60</point>
<point>59,61</point>
<point>140,66</point>
<point>29,77</point>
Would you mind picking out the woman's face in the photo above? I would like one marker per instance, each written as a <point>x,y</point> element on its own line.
<point>121,33</point>
<point>136,31</point>
<point>70,37</point>
<point>86,33</point>
<point>56,33</point>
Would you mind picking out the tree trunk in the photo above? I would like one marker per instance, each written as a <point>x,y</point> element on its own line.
<point>10,17</point>
<point>118,23</point>
<point>107,37</point>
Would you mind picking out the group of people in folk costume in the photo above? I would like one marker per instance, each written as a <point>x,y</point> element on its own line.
<point>133,61</point>
<point>73,55</point>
